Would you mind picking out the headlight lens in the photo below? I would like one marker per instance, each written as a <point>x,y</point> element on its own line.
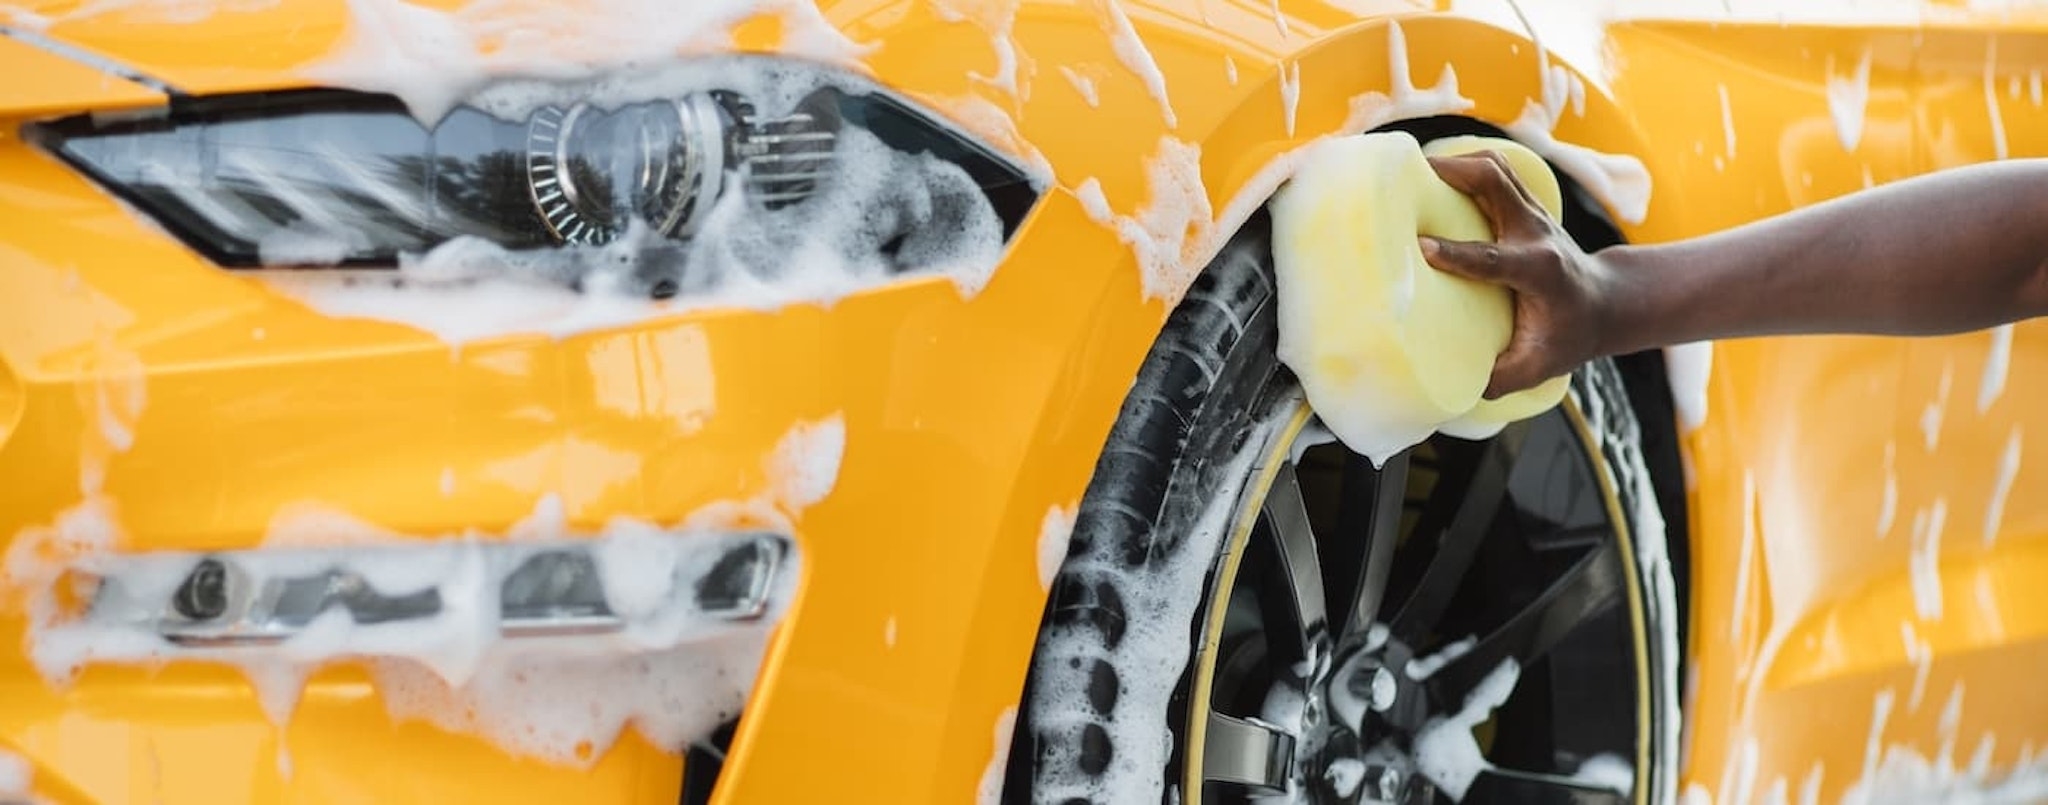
<point>324,177</point>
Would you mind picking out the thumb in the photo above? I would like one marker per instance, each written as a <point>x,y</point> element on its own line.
<point>1515,370</point>
<point>1473,261</point>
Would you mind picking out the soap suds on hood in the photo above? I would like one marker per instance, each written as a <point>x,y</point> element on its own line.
<point>434,59</point>
<point>1847,97</point>
<point>1083,84</point>
<point>1172,234</point>
<point>1131,51</point>
<point>997,18</point>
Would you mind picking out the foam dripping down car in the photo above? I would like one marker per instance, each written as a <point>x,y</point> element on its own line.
<point>790,401</point>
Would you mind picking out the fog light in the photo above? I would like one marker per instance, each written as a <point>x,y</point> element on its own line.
<point>524,589</point>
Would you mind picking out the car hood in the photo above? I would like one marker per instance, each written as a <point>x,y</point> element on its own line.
<point>204,47</point>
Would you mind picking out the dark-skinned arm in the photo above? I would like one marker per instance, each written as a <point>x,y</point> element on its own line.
<point>1953,251</point>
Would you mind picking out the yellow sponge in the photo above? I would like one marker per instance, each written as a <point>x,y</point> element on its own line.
<point>1389,349</point>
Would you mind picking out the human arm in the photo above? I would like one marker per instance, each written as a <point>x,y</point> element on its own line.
<point>1948,252</point>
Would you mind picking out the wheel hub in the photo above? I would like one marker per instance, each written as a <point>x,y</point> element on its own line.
<point>1317,693</point>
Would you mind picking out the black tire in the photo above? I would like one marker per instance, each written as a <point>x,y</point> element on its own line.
<point>1113,653</point>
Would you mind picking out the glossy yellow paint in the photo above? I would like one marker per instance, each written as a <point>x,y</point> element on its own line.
<point>968,419</point>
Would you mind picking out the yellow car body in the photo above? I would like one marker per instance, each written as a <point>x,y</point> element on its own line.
<point>1829,479</point>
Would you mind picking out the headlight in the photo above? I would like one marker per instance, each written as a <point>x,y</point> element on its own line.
<point>325,177</point>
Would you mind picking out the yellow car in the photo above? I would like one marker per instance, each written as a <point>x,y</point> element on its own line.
<point>754,401</point>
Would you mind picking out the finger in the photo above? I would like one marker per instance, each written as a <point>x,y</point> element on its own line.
<point>1474,261</point>
<point>1486,178</point>
<point>1529,201</point>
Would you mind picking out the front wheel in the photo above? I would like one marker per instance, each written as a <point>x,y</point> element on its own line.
<point>1249,610</point>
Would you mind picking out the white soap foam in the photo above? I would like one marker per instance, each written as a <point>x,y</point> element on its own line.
<point>1403,100</point>
<point>1344,775</point>
<point>1741,784</point>
<point>1809,788</point>
<point>1610,771</point>
<point>1987,605</point>
<point>1688,367</point>
<point>990,790</point>
<point>1924,562</point>
<point>745,256</point>
<point>1901,774</point>
<point>1727,120</point>
<point>1173,233</point>
<point>1888,506</point>
<point>1230,69</point>
<point>1053,534</point>
<point>1446,752</point>
<point>1930,417</point>
<point>2001,488</point>
<point>998,19</point>
<point>806,461</point>
<point>1991,99</point>
<point>1290,91</point>
<point>1421,668</point>
<point>1619,181</point>
<point>1996,362</point>
<point>1131,51</point>
<point>1848,95</point>
<point>15,774</point>
<point>434,59</point>
<point>1083,84</point>
<point>1919,654</point>
<point>1745,561</point>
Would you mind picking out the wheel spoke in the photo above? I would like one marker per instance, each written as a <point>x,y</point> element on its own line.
<point>1590,586</point>
<point>1527,788</point>
<point>1295,542</point>
<point>1369,526</point>
<point>1247,752</point>
<point>1460,540</point>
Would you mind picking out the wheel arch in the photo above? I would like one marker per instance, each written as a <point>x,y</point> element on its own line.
<point>1244,157</point>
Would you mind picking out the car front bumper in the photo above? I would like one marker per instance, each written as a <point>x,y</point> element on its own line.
<point>174,406</point>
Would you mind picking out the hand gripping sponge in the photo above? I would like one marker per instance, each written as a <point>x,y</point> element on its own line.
<point>1388,348</point>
